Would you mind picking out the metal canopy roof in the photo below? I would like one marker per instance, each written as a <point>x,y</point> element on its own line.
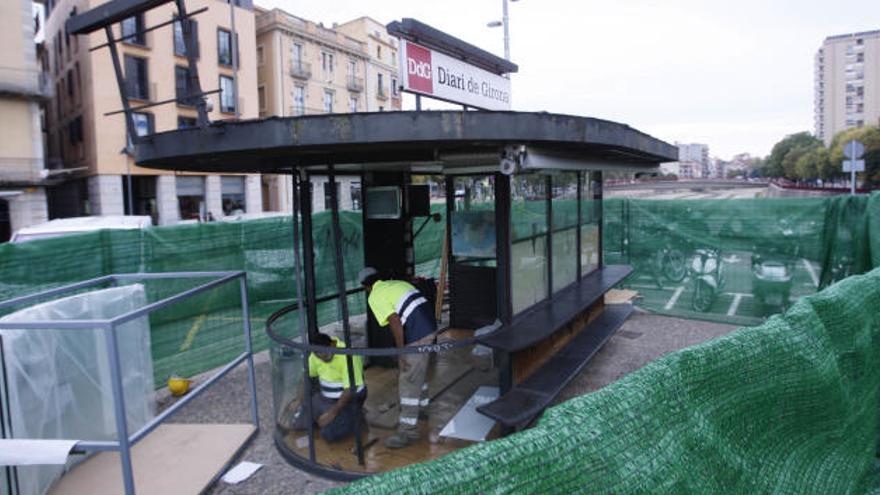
<point>401,140</point>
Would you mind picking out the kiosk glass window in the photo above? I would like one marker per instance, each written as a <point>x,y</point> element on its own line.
<point>528,250</point>
<point>565,232</point>
<point>590,217</point>
<point>473,220</point>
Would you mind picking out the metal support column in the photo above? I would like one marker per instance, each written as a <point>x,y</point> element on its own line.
<point>580,221</point>
<point>343,307</point>
<point>301,312</point>
<point>249,348</point>
<point>305,202</point>
<point>119,409</point>
<point>548,183</point>
<point>193,84</point>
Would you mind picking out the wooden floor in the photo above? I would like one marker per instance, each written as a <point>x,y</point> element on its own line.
<point>453,378</point>
<point>175,459</point>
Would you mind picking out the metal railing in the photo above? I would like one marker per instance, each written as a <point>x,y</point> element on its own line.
<point>125,441</point>
<point>300,69</point>
<point>355,83</point>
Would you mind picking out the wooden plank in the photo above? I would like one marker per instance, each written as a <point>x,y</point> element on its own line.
<point>175,459</point>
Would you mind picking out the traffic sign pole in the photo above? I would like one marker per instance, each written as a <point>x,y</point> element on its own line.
<point>853,150</point>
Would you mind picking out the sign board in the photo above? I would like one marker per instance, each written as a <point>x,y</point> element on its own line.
<point>860,165</point>
<point>431,73</point>
<point>854,149</point>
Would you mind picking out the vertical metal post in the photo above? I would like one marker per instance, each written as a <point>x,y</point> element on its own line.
<point>120,82</point>
<point>505,20</point>
<point>193,85</point>
<point>580,219</point>
<point>343,307</point>
<point>852,172</point>
<point>418,102</point>
<point>548,183</point>
<point>234,56</point>
<point>119,409</point>
<point>249,348</point>
<point>307,382</point>
<point>502,248</point>
<point>305,208</point>
<point>600,214</point>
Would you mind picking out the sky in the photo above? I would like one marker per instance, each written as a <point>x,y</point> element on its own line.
<point>736,75</point>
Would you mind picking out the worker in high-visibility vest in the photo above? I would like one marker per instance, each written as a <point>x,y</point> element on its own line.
<point>331,402</point>
<point>401,306</point>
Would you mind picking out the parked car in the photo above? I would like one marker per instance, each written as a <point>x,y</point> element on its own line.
<point>78,225</point>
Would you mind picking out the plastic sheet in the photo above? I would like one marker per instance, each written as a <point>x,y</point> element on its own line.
<point>59,384</point>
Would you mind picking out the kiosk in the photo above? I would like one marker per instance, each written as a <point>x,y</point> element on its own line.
<point>521,194</point>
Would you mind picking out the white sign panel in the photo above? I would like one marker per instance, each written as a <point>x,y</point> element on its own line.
<point>432,73</point>
<point>860,165</point>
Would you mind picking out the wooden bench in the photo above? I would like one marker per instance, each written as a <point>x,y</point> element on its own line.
<point>526,400</point>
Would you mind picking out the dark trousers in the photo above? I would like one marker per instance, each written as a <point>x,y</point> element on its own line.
<point>341,426</point>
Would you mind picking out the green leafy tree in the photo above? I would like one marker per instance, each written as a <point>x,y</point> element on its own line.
<point>814,164</point>
<point>774,165</point>
<point>870,137</point>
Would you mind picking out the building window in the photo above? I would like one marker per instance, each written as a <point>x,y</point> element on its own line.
<point>328,203</point>
<point>136,78</point>
<point>261,98</point>
<point>224,47</point>
<point>70,85</point>
<point>379,52</point>
<point>232,195</point>
<point>75,131</point>
<point>328,101</point>
<point>180,41</point>
<point>380,85</point>
<point>133,30</point>
<point>395,90</point>
<point>261,58</point>
<point>183,87</point>
<point>296,53</point>
<point>143,123</point>
<point>327,64</point>
<point>186,122</point>
<point>353,104</point>
<point>227,95</point>
<point>191,197</point>
<point>299,100</point>
<point>356,201</point>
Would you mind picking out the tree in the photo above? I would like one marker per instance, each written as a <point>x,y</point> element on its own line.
<point>814,164</point>
<point>789,162</point>
<point>774,166</point>
<point>870,137</point>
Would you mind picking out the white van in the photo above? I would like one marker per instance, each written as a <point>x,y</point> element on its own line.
<point>78,225</point>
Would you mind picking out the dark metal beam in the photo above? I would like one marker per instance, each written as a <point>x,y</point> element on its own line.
<point>108,14</point>
<point>151,28</point>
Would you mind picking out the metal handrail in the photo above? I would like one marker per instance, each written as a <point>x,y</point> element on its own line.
<point>125,442</point>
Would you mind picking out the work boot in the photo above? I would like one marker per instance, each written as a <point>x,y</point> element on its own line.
<point>401,439</point>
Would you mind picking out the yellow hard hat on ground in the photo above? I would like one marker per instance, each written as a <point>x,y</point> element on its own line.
<point>178,386</point>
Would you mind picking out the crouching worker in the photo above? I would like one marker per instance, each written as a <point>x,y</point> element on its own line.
<point>332,395</point>
<point>401,306</point>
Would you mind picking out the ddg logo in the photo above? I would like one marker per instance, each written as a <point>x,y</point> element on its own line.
<point>418,68</point>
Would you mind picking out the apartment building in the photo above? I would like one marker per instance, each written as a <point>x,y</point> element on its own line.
<point>847,83</point>
<point>306,68</point>
<point>22,91</point>
<point>91,145</point>
<point>696,158</point>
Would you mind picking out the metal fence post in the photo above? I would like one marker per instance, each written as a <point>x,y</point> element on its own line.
<point>249,348</point>
<point>119,408</point>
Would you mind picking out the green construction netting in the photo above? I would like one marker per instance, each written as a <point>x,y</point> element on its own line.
<point>809,241</point>
<point>790,406</point>
<point>738,260</point>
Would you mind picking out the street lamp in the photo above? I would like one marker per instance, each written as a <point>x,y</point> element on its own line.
<point>505,23</point>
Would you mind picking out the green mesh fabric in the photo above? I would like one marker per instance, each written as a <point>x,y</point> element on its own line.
<point>804,243</point>
<point>823,239</point>
<point>790,406</point>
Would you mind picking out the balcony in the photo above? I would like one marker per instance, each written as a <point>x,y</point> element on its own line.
<point>355,83</point>
<point>300,69</point>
